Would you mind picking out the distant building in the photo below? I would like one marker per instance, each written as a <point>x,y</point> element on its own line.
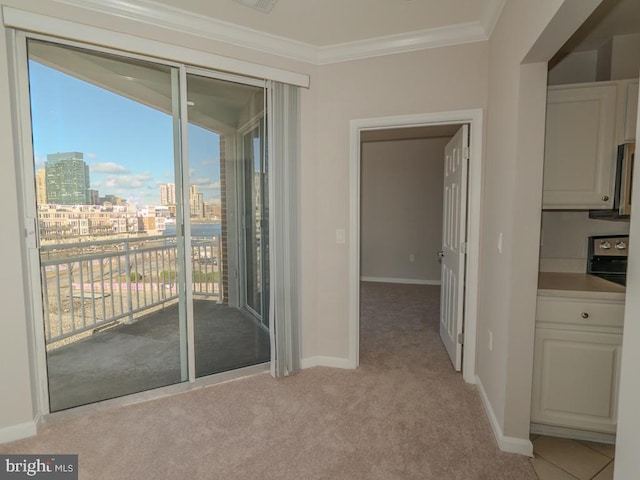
<point>196,202</point>
<point>168,194</point>
<point>111,200</point>
<point>67,179</point>
<point>41,187</point>
<point>59,221</point>
<point>94,197</point>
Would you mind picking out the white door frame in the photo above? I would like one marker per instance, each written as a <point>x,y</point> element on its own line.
<point>474,117</point>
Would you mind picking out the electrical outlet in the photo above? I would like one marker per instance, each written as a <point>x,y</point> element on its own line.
<point>490,340</point>
<point>412,257</point>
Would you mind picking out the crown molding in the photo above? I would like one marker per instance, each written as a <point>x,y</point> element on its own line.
<point>402,43</point>
<point>177,19</point>
<point>183,21</point>
<point>491,14</point>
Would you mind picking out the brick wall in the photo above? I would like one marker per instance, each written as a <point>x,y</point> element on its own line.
<point>224,225</point>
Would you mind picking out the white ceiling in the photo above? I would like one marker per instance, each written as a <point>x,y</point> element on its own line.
<point>329,31</point>
<point>330,22</point>
<point>409,133</point>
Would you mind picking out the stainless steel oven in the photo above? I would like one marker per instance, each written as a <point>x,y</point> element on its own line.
<point>608,257</point>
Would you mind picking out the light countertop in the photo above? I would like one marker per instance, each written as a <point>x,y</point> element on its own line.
<point>578,285</point>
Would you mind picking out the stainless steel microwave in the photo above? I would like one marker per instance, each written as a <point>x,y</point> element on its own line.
<point>623,187</point>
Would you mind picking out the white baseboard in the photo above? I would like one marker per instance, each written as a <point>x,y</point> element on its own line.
<point>408,281</point>
<point>322,361</point>
<point>19,431</point>
<point>562,432</point>
<point>506,444</point>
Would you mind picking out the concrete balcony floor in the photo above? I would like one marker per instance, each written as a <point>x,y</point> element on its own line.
<point>144,355</point>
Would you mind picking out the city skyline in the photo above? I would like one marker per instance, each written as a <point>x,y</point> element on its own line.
<point>127,146</point>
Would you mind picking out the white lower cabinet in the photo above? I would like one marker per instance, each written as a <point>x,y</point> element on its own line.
<point>576,367</point>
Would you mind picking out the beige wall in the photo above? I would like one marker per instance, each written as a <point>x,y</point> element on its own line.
<point>512,198</point>
<point>433,80</point>
<point>625,56</point>
<point>628,436</point>
<point>575,67</point>
<point>618,59</point>
<point>16,404</point>
<point>401,209</point>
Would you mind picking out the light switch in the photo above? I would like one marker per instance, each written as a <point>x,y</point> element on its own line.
<point>340,235</point>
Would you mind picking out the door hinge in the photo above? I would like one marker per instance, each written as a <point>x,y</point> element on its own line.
<point>464,247</point>
<point>461,338</point>
<point>466,152</point>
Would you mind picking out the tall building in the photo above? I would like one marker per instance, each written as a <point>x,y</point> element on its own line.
<point>67,179</point>
<point>196,202</point>
<point>93,197</point>
<point>168,194</point>
<point>41,187</point>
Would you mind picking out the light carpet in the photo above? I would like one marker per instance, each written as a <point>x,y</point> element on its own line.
<point>404,414</point>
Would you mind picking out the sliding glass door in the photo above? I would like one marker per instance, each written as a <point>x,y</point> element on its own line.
<point>226,337</point>
<point>256,220</point>
<point>149,185</point>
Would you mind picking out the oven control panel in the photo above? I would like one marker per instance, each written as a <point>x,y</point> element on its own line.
<point>615,246</point>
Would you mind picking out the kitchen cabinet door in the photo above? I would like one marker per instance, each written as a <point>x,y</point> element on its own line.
<point>580,147</point>
<point>631,114</point>
<point>576,376</point>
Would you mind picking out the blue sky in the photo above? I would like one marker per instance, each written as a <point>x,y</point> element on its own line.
<point>128,146</point>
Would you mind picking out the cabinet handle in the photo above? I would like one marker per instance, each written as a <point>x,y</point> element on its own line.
<point>584,315</point>
<point>605,198</point>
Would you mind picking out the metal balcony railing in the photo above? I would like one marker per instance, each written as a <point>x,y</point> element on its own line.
<point>88,286</point>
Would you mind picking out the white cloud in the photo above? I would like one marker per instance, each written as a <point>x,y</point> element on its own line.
<point>200,181</point>
<point>128,181</point>
<point>210,161</point>
<point>108,168</point>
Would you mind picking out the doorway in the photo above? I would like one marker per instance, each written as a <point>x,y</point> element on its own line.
<point>148,186</point>
<point>474,119</point>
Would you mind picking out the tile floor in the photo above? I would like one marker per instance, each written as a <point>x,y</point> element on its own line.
<point>566,459</point>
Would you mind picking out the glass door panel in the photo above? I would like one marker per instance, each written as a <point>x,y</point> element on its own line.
<point>227,335</point>
<point>256,221</point>
<point>106,161</point>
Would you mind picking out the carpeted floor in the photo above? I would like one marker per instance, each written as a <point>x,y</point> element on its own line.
<point>404,414</point>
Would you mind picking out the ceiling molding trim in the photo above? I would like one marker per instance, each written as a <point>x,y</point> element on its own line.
<point>491,15</point>
<point>77,32</point>
<point>403,43</point>
<point>177,19</point>
<point>183,21</point>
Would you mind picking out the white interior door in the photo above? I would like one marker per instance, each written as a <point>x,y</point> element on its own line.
<point>453,244</point>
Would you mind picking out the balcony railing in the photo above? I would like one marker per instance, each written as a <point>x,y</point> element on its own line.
<point>89,286</point>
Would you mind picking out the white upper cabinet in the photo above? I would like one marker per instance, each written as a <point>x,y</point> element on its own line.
<point>580,146</point>
<point>631,111</point>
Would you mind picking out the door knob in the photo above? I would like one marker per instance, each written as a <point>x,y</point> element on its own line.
<point>441,254</point>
